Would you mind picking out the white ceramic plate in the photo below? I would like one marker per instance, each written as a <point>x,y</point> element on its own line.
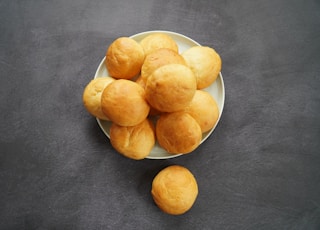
<point>216,90</point>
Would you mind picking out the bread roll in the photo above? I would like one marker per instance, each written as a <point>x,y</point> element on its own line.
<point>124,58</point>
<point>205,62</point>
<point>156,41</point>
<point>134,142</point>
<point>92,96</point>
<point>170,88</point>
<point>178,132</point>
<point>159,58</point>
<point>174,190</point>
<point>123,102</point>
<point>203,108</point>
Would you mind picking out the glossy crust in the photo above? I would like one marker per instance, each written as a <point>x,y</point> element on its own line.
<point>203,108</point>
<point>170,88</point>
<point>174,190</point>
<point>92,96</point>
<point>156,41</point>
<point>124,58</point>
<point>178,132</point>
<point>134,142</point>
<point>123,102</point>
<point>205,62</point>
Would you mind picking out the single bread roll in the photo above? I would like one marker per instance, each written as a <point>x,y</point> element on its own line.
<point>92,96</point>
<point>134,142</point>
<point>170,88</point>
<point>156,41</point>
<point>178,132</point>
<point>123,102</point>
<point>124,58</point>
<point>205,62</point>
<point>158,58</point>
<point>174,190</point>
<point>203,108</point>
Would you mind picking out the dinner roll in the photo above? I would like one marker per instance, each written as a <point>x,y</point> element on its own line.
<point>123,102</point>
<point>159,58</point>
<point>170,88</point>
<point>174,190</point>
<point>203,108</point>
<point>124,58</point>
<point>156,41</point>
<point>205,62</point>
<point>178,132</point>
<point>134,142</point>
<point>92,96</point>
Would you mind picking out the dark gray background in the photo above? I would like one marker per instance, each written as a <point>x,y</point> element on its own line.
<point>260,169</point>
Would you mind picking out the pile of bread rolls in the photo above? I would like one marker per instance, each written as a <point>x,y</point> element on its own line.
<point>155,94</point>
<point>150,80</point>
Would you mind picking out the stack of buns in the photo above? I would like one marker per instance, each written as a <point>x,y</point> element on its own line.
<point>154,94</point>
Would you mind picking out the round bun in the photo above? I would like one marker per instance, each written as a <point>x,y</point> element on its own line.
<point>205,62</point>
<point>178,132</point>
<point>174,190</point>
<point>92,96</point>
<point>170,88</point>
<point>123,102</point>
<point>156,41</point>
<point>134,142</point>
<point>203,108</point>
<point>124,58</point>
<point>159,58</point>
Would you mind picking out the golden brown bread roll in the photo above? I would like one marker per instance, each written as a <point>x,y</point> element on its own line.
<point>124,58</point>
<point>134,142</point>
<point>156,41</point>
<point>170,88</point>
<point>92,96</point>
<point>178,132</point>
<point>205,62</point>
<point>123,102</point>
<point>159,58</point>
<point>203,108</point>
<point>174,190</point>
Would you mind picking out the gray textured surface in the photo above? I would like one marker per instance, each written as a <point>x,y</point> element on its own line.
<point>260,169</point>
